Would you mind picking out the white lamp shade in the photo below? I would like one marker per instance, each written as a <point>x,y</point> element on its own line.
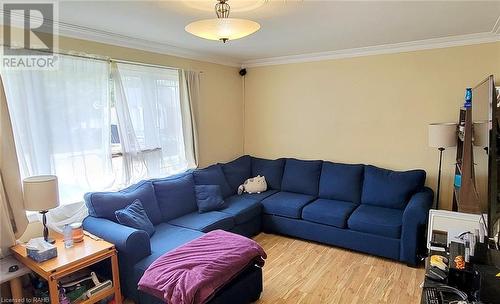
<point>222,28</point>
<point>40,192</point>
<point>481,133</point>
<point>443,135</point>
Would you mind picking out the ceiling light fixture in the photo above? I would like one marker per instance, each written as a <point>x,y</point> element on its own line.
<point>222,28</point>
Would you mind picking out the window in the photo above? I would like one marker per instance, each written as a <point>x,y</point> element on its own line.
<point>73,123</point>
<point>152,102</point>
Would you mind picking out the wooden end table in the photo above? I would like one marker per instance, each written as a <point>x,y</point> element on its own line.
<point>69,260</point>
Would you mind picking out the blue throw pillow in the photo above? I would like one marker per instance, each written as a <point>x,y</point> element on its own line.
<point>209,198</point>
<point>134,216</point>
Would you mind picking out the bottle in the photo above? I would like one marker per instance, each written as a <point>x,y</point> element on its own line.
<point>468,98</point>
<point>63,298</point>
<point>68,236</point>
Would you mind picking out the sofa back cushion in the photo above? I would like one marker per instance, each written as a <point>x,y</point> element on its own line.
<point>301,176</point>
<point>175,196</point>
<point>237,171</point>
<point>342,182</point>
<point>213,175</point>
<point>272,170</point>
<point>391,189</point>
<point>104,204</point>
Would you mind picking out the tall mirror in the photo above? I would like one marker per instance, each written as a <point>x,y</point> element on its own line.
<point>482,122</point>
<point>486,115</point>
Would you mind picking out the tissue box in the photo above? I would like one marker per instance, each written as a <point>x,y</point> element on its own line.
<point>39,250</point>
<point>41,256</point>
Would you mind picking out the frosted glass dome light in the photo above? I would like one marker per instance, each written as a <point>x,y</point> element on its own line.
<point>222,28</point>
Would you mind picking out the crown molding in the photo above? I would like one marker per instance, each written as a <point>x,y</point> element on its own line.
<point>418,45</point>
<point>87,33</point>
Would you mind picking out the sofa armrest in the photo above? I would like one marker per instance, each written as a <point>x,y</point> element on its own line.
<point>132,244</point>
<point>414,222</point>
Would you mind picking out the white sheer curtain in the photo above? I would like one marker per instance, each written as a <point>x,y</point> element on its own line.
<point>61,124</point>
<point>133,167</point>
<point>150,120</point>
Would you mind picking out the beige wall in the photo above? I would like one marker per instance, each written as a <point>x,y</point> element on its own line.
<point>372,109</point>
<point>220,115</point>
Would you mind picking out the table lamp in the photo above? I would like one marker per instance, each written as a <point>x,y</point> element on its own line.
<point>41,194</point>
<point>441,136</point>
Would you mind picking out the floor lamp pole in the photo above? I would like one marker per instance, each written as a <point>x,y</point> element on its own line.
<point>439,176</point>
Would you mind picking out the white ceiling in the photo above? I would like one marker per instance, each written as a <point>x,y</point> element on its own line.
<point>287,27</point>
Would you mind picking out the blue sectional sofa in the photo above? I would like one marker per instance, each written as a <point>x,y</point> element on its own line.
<point>360,207</point>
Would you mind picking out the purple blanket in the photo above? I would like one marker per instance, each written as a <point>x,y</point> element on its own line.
<point>193,272</point>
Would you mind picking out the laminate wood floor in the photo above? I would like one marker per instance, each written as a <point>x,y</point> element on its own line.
<point>298,271</point>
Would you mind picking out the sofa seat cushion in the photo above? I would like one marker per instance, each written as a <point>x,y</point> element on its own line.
<point>392,189</point>
<point>301,176</point>
<point>166,238</point>
<point>243,209</point>
<point>247,206</point>
<point>205,222</point>
<point>286,204</point>
<point>259,196</point>
<point>328,212</point>
<point>377,220</point>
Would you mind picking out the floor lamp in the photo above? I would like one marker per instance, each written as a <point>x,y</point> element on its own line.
<point>442,136</point>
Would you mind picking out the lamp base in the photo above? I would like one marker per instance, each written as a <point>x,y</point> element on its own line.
<point>45,229</point>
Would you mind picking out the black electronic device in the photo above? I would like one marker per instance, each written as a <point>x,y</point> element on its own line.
<point>436,274</point>
<point>433,296</point>
<point>439,239</point>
